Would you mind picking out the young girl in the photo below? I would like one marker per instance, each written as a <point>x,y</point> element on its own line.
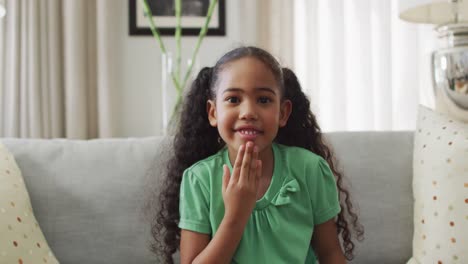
<point>251,180</point>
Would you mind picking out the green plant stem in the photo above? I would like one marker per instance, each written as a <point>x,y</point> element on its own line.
<point>157,36</point>
<point>178,33</point>
<point>154,29</point>
<point>201,35</point>
<point>176,76</point>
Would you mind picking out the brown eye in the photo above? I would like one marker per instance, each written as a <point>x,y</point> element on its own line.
<point>264,100</point>
<point>232,100</point>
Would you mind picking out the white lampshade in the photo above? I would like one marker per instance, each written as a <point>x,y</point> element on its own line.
<point>433,11</point>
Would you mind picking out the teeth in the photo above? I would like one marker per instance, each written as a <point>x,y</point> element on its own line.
<point>248,132</point>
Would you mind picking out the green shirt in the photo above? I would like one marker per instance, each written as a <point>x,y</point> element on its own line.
<point>302,194</point>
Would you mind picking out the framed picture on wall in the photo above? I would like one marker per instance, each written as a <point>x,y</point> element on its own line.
<point>193,17</point>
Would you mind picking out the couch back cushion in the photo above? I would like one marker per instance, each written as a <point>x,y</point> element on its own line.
<point>379,168</point>
<point>90,196</point>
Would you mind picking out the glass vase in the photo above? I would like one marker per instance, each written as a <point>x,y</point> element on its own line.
<point>172,94</point>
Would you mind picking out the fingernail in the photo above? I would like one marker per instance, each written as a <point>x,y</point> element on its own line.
<point>255,149</point>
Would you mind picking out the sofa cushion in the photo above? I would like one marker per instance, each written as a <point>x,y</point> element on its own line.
<point>440,188</point>
<point>377,167</point>
<point>89,195</point>
<point>21,239</point>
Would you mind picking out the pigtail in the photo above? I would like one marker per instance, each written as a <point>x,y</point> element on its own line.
<point>302,130</point>
<point>194,140</point>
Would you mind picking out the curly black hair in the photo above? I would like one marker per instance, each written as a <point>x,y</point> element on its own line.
<point>195,133</point>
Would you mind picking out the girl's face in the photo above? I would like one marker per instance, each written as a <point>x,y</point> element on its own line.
<point>248,105</point>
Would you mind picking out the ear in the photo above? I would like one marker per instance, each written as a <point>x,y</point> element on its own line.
<point>285,112</point>
<point>211,110</point>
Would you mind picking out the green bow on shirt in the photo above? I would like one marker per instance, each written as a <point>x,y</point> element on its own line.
<point>282,197</point>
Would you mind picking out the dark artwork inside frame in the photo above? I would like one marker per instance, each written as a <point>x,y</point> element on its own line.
<point>189,7</point>
<point>193,12</point>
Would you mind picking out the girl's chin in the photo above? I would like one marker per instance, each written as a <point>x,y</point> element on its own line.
<point>237,146</point>
<point>258,144</point>
<point>244,142</point>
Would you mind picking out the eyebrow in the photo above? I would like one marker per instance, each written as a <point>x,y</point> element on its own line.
<point>260,89</point>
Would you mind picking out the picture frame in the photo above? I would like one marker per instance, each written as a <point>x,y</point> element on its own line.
<point>193,18</point>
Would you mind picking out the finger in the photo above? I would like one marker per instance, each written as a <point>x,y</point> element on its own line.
<point>225,177</point>
<point>238,164</point>
<point>258,174</point>
<point>253,165</point>
<point>245,168</point>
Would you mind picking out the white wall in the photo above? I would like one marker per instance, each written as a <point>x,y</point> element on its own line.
<point>1,65</point>
<point>137,102</point>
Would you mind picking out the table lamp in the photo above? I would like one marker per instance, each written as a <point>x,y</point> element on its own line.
<point>449,63</point>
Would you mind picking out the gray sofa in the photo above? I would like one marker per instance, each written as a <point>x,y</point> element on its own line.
<point>90,197</point>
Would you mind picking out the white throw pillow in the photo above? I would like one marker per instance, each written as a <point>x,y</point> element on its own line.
<point>21,239</point>
<point>440,189</point>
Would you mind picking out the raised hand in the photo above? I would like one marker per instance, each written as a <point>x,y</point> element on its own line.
<point>240,188</point>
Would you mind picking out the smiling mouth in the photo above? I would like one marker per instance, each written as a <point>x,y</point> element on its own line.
<point>248,132</point>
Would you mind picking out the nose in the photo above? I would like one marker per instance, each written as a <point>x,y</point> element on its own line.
<point>248,111</point>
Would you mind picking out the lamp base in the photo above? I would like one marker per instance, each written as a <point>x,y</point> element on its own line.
<point>450,66</point>
<point>444,104</point>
